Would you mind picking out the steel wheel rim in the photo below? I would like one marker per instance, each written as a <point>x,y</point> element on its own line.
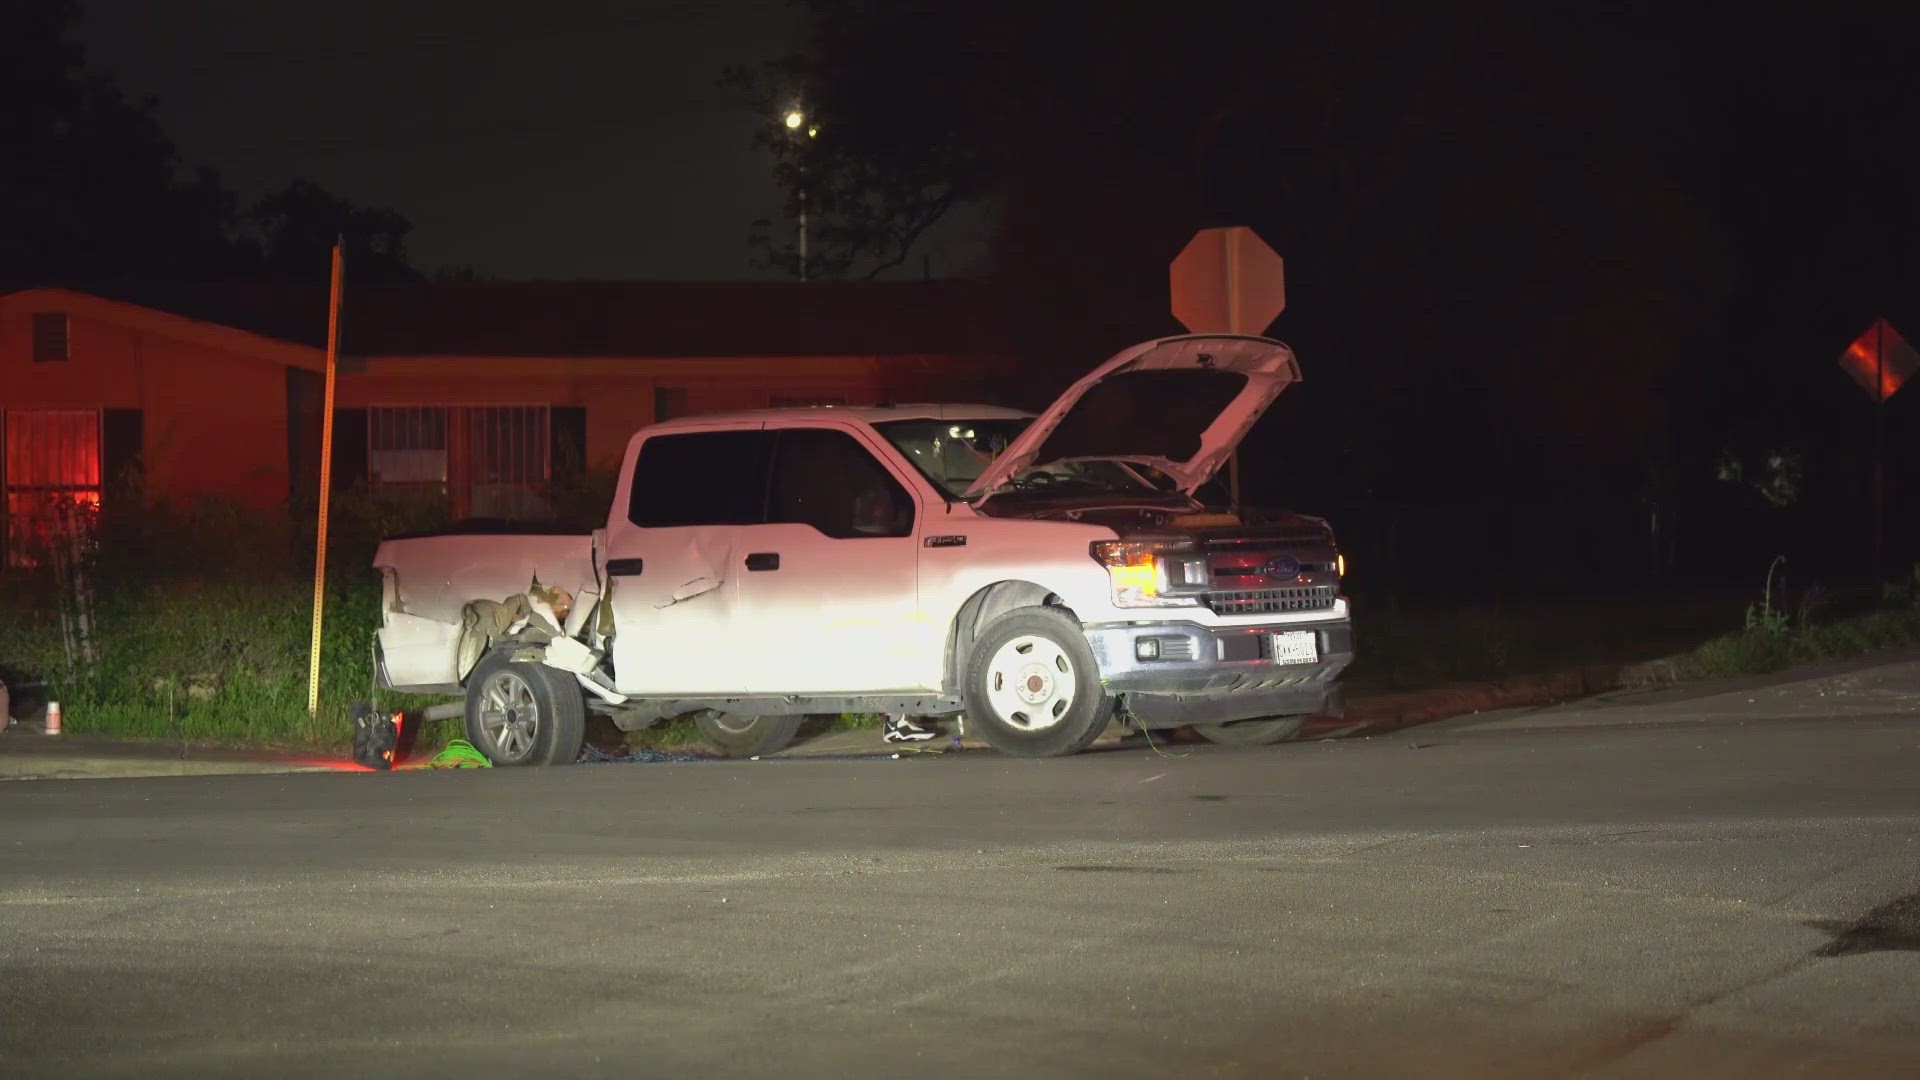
<point>509,715</point>
<point>1031,683</point>
<point>733,725</point>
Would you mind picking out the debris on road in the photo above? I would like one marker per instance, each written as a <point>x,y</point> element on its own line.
<point>593,755</point>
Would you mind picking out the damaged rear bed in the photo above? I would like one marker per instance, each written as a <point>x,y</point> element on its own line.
<point>434,632</point>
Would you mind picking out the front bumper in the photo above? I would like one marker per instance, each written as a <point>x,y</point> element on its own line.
<point>1213,674</point>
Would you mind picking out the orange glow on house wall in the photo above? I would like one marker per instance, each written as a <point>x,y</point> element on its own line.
<point>212,416</point>
<point>211,411</point>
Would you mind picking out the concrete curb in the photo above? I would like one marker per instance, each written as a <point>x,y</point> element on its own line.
<point>28,753</point>
<point>1392,711</point>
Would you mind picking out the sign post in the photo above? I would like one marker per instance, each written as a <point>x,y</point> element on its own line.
<point>326,483</point>
<point>1228,281</point>
<point>1881,361</point>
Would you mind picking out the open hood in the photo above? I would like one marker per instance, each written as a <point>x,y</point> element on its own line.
<point>1179,404</point>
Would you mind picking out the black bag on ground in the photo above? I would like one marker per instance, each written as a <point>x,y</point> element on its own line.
<point>376,738</point>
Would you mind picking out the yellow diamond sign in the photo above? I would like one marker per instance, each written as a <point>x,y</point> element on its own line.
<point>1880,360</point>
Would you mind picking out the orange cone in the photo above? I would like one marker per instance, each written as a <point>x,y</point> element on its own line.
<point>53,718</point>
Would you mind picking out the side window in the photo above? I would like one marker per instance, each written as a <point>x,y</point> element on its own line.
<point>828,480</point>
<point>700,478</point>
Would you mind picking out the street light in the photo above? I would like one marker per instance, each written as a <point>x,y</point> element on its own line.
<point>795,120</point>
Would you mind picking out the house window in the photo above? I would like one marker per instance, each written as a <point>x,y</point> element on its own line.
<point>803,401</point>
<point>508,451</point>
<point>487,460</point>
<point>407,449</point>
<point>52,481</point>
<point>50,338</point>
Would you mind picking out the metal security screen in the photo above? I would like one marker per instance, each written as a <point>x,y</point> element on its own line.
<point>508,450</point>
<point>489,461</point>
<point>407,447</point>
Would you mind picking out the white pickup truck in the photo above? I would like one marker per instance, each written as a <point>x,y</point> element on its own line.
<point>1029,577</point>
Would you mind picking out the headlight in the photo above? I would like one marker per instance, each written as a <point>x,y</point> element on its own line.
<point>1152,574</point>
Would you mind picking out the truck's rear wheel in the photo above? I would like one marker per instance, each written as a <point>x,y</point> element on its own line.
<point>747,736</point>
<point>1033,687</point>
<point>524,714</point>
<point>1252,732</point>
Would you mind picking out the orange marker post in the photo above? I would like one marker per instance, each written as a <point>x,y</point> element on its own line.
<point>326,484</point>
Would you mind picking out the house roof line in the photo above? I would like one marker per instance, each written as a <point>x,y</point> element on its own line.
<point>604,320</point>
<point>138,316</point>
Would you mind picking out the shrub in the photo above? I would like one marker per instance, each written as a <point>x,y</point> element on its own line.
<point>1770,640</point>
<point>195,622</point>
<point>199,657</point>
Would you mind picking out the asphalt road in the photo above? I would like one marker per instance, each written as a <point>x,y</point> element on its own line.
<point>1666,885</point>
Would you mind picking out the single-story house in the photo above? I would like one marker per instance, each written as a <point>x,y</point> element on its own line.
<point>485,392</point>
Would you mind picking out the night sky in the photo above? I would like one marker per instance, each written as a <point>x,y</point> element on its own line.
<point>1598,256</point>
<point>566,139</point>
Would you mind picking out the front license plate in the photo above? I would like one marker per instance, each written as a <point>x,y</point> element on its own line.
<point>1296,647</point>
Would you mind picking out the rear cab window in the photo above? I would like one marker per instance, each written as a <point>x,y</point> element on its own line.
<point>701,478</point>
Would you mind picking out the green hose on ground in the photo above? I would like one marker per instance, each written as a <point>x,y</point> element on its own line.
<point>459,754</point>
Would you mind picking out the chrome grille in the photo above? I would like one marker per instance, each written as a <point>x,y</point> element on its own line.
<point>1226,572</point>
<point>1312,535</point>
<point>1268,601</point>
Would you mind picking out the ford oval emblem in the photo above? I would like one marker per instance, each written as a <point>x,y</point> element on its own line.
<point>1283,566</point>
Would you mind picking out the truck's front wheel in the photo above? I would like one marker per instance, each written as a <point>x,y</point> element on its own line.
<point>524,714</point>
<point>1033,686</point>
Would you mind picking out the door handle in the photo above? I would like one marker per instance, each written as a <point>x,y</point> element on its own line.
<point>625,567</point>
<point>764,560</point>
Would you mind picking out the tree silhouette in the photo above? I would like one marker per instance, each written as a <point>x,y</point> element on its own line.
<point>298,225</point>
<point>93,193</point>
<point>877,161</point>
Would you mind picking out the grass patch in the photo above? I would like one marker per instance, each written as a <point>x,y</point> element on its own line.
<point>201,658</point>
<point>1758,650</point>
<point>1772,639</point>
<point>222,658</point>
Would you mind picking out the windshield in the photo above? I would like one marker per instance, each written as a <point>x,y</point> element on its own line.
<point>953,454</point>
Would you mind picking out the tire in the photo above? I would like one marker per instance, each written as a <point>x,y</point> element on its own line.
<point>1252,732</point>
<point>747,736</point>
<point>1033,687</point>
<point>500,694</point>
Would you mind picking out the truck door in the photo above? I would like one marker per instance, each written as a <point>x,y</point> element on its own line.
<point>672,564</point>
<point>829,584</point>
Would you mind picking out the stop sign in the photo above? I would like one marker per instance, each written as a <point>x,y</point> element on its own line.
<point>1228,281</point>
